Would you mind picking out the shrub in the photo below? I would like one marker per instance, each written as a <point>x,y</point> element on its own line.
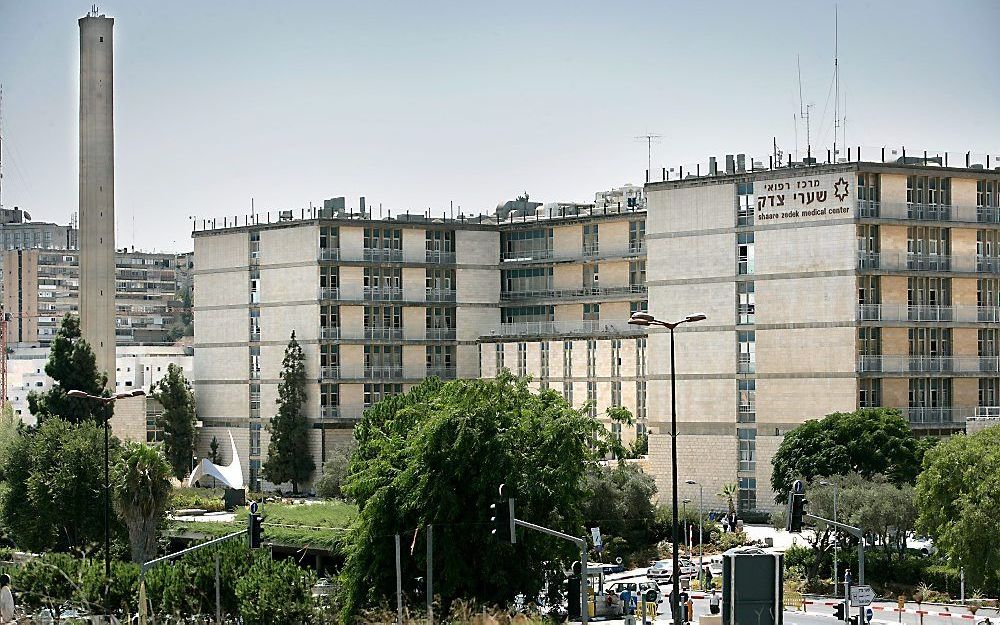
<point>276,592</point>
<point>328,485</point>
<point>210,499</point>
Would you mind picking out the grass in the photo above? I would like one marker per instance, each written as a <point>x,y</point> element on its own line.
<point>319,525</point>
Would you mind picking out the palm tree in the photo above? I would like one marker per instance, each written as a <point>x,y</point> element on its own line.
<point>141,492</point>
<point>728,492</point>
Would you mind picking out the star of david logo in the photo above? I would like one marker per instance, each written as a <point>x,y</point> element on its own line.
<point>840,189</point>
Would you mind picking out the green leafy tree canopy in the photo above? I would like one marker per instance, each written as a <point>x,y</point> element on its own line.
<point>141,484</point>
<point>72,366</point>
<point>288,455</point>
<point>868,442</point>
<point>174,393</point>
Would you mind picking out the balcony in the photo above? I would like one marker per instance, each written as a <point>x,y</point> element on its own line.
<point>384,372</point>
<point>329,412</point>
<point>929,212</point>
<point>379,333</point>
<point>869,208</point>
<point>329,293</point>
<point>988,214</point>
<point>746,363</point>
<point>328,334</point>
<point>382,255</point>
<point>563,328</point>
<point>902,312</point>
<point>329,253</point>
<point>902,364</point>
<point>383,293</point>
<point>947,417</point>
<point>255,374</point>
<point>440,256</point>
<point>329,372</point>
<point>634,248</point>
<point>746,412</point>
<point>442,372</point>
<point>583,292</point>
<point>254,335</point>
<point>440,295</point>
<point>591,250</point>
<point>441,334</point>
<point>988,264</point>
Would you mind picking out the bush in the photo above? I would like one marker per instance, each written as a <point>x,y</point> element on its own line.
<point>663,525</point>
<point>328,486</point>
<point>276,591</point>
<point>210,499</point>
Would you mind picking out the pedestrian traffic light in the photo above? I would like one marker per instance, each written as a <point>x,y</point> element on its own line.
<point>796,507</point>
<point>255,530</point>
<point>839,611</point>
<point>502,517</point>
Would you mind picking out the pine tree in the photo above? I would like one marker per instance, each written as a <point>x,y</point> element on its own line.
<point>72,366</point>
<point>288,456</point>
<point>178,420</point>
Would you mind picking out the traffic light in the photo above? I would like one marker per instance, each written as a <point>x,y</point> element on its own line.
<point>254,529</point>
<point>798,509</point>
<point>502,517</point>
<point>839,611</point>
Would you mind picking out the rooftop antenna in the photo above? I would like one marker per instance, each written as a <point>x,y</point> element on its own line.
<point>803,110</point>
<point>1,146</point>
<point>836,80</point>
<point>649,137</point>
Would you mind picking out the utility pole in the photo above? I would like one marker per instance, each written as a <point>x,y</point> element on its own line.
<point>430,575</point>
<point>399,586</point>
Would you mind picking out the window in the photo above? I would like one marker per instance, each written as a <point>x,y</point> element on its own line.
<point>989,395</point>
<point>544,360</point>
<point>869,194</point>
<point>329,316</point>
<point>254,285</point>
<point>440,360</point>
<point>384,358</point>
<point>255,324</point>
<point>591,276</point>
<point>746,391</point>
<point>389,317</point>
<point>988,250</point>
<point>567,359</point>
<point>930,392</point>
<point>616,357</point>
<point>868,240</point>
<point>383,282</point>
<point>329,277</point>
<point>329,355</point>
<point>568,392</point>
<point>928,190</point>
<point>526,243</point>
<point>640,356</point>
<point>591,312</point>
<point>255,439</point>
<point>988,201</point>
<point>869,392</point>
<point>329,238</point>
<point>745,303</point>
<point>745,203</point>
<point>636,236</point>
<point>383,239</point>
<point>440,322</point>
<point>747,498</point>
<point>592,399</point>
<point>928,291</point>
<point>868,290</point>
<point>440,279</point>
<point>989,342</point>
<point>869,341</point>
<point>591,358</point>
<point>637,273</point>
<point>329,396</point>
<point>255,362</point>
<point>988,293</point>
<point>747,352</point>
<point>590,240</point>
<point>254,245</point>
<point>640,399</point>
<point>254,466</point>
<point>498,348</point>
<point>527,280</point>
<point>374,393</point>
<point>616,393</point>
<point>747,439</point>
<point>527,314</point>
<point>744,253</point>
<point>930,342</point>
<point>522,359</point>
<point>616,430</point>
<point>440,241</point>
<point>638,306</point>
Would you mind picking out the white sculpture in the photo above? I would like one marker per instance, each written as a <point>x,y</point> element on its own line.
<point>230,475</point>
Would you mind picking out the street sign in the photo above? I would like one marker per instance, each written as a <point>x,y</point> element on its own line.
<point>862,595</point>
<point>596,534</point>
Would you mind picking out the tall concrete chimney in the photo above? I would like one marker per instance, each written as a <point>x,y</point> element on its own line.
<point>97,190</point>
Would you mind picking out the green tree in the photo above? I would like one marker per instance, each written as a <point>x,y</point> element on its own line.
<point>728,493</point>
<point>288,456</point>
<point>141,484</point>
<point>869,441</point>
<point>48,582</point>
<point>174,393</point>
<point>436,455</point>
<point>620,502</point>
<point>958,498</point>
<point>276,591</point>
<point>330,484</point>
<point>213,450</point>
<point>71,366</point>
<point>54,498</point>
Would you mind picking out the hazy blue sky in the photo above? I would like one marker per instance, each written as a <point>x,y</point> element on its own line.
<point>416,104</point>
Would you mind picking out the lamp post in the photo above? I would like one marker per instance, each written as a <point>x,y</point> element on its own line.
<point>107,401</point>
<point>836,541</point>
<point>646,319</point>
<point>701,533</point>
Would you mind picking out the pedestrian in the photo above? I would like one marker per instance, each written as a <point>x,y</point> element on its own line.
<point>725,524</point>
<point>713,602</point>
<point>6,600</point>
<point>708,577</point>
<point>626,598</point>
<point>690,610</point>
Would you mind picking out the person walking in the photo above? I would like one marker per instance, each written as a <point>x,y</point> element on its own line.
<point>713,602</point>
<point>708,577</point>
<point>6,600</point>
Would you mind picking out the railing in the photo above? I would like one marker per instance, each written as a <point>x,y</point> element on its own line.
<point>383,334</point>
<point>581,292</point>
<point>869,208</point>
<point>382,255</point>
<point>441,334</point>
<point>933,212</point>
<point>440,295</point>
<point>634,248</point>
<point>908,261</point>
<point>329,293</point>
<point>747,408</point>
<point>443,372</point>
<point>745,313</point>
<point>383,293</point>
<point>987,412</point>
<point>745,364</point>
<point>327,334</point>
<point>330,412</point>
<point>988,214</point>
<point>384,371</point>
<point>440,256</point>
<point>330,372</point>
<point>329,254</point>
<point>539,253</point>
<point>902,312</point>
<point>548,328</point>
<point>255,375</point>
<point>591,250</point>
<point>938,416</point>
<point>255,335</point>
<point>928,364</point>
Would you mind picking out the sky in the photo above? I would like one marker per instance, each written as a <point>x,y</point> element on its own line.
<point>417,105</point>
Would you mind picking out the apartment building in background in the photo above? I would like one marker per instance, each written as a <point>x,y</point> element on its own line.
<point>828,287</point>
<point>18,232</point>
<point>41,285</point>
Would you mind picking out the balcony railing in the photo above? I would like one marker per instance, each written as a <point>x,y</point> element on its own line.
<point>902,312</point>
<point>329,293</point>
<point>330,372</point>
<point>255,375</point>
<point>391,293</point>
<point>442,372</point>
<point>868,208</point>
<point>377,333</point>
<point>591,250</point>
<point>988,214</point>
<point>330,412</point>
<point>329,253</point>
<point>440,256</point>
<point>908,261</point>
<point>440,295</point>
<point>932,212</point>
<point>634,248</point>
<point>382,255</point>
<point>328,334</point>
<point>558,328</point>
<point>254,335</point>
<point>745,364</point>
<point>928,364</point>
<point>938,416</point>
<point>581,292</point>
<point>384,372</point>
<point>441,334</point>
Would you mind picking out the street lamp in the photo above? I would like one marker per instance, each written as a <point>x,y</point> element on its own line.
<point>107,401</point>
<point>646,319</point>
<point>836,546</point>
<point>701,534</point>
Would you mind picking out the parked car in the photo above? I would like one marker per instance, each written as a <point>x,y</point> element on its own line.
<point>921,544</point>
<point>687,567</point>
<point>660,570</point>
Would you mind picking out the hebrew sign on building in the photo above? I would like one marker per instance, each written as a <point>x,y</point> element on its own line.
<point>805,198</point>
